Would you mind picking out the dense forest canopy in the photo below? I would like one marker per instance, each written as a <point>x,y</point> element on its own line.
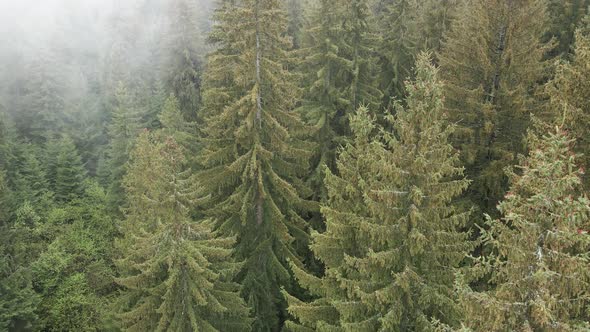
<point>294,165</point>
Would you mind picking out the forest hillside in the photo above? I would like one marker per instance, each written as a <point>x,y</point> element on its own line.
<point>295,165</point>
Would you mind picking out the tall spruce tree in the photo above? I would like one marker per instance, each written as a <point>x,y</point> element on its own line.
<point>26,176</point>
<point>123,129</point>
<point>571,88</point>
<point>398,45</point>
<point>565,18</point>
<point>338,64</point>
<point>175,272</point>
<point>392,241</point>
<point>41,113</point>
<point>491,63</point>
<point>253,152</point>
<point>435,18</point>
<point>69,172</point>
<point>295,11</point>
<point>184,132</point>
<point>185,61</point>
<point>538,265</point>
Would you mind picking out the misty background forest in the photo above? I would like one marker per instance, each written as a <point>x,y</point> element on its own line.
<point>294,165</point>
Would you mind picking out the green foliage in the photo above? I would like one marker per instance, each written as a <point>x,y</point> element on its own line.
<point>65,172</point>
<point>74,272</point>
<point>392,241</point>
<point>491,63</point>
<point>295,12</point>
<point>565,17</point>
<point>538,268</point>
<point>123,130</point>
<point>18,301</point>
<point>339,76</point>
<point>174,125</point>
<point>175,272</point>
<point>42,111</point>
<point>570,88</point>
<point>253,154</point>
<point>26,176</point>
<point>185,61</point>
<point>398,45</point>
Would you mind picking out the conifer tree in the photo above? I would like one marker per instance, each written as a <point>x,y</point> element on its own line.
<point>398,45</point>
<point>18,300</point>
<point>392,242</point>
<point>253,153</point>
<point>565,18</point>
<point>295,11</point>
<point>339,68</point>
<point>174,125</point>
<point>360,42</point>
<point>27,177</point>
<point>4,200</point>
<point>123,130</point>
<point>42,111</point>
<point>69,172</point>
<point>184,63</point>
<point>435,18</point>
<point>571,88</point>
<point>538,265</point>
<point>491,63</point>
<point>176,273</point>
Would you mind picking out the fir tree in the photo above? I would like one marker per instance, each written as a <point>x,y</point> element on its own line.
<point>27,177</point>
<point>184,63</point>
<point>174,124</point>
<point>538,265</point>
<point>491,62</point>
<point>435,18</point>
<point>42,112</point>
<point>253,154</point>
<point>339,67</point>
<point>175,272</point>
<point>73,272</point>
<point>123,130</point>
<point>398,45</point>
<point>18,300</point>
<point>69,172</point>
<point>392,242</point>
<point>4,199</point>
<point>570,88</point>
<point>295,11</point>
<point>565,17</point>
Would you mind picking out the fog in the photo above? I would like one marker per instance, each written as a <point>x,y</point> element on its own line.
<point>79,38</point>
<point>61,61</point>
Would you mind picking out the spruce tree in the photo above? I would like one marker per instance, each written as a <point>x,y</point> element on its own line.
<point>253,153</point>
<point>338,64</point>
<point>392,242</point>
<point>175,272</point>
<point>435,18</point>
<point>185,61</point>
<point>174,124</point>
<point>69,172</point>
<point>538,263</point>
<point>571,88</point>
<point>491,63</point>
<point>123,130</point>
<point>42,110</point>
<point>398,45</point>
<point>4,199</point>
<point>27,177</point>
<point>565,17</point>
<point>295,11</point>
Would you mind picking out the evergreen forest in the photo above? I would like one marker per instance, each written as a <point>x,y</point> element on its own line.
<point>295,165</point>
